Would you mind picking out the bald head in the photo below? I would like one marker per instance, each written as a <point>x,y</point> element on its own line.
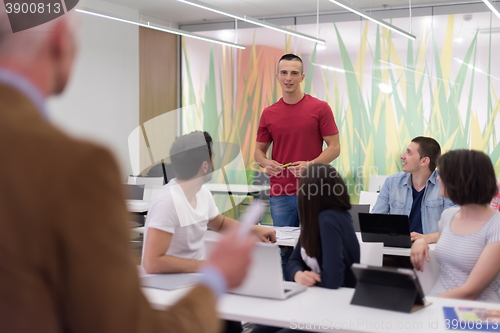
<point>43,54</point>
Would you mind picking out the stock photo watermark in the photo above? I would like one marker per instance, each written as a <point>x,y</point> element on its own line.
<point>363,324</point>
<point>26,14</point>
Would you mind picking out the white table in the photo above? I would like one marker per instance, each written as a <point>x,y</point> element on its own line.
<point>138,206</point>
<point>331,309</point>
<point>395,251</point>
<point>237,189</point>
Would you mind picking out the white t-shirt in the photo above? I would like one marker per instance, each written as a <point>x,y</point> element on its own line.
<point>171,212</point>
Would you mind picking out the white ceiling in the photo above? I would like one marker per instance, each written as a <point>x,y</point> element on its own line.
<point>180,13</point>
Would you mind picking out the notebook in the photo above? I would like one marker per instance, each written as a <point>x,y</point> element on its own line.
<point>265,277</point>
<point>392,230</point>
<point>355,209</point>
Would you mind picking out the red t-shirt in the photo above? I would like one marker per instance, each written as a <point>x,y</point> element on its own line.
<point>296,131</point>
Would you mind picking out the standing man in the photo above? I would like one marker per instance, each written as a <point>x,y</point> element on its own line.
<point>66,260</point>
<point>415,191</point>
<point>296,125</point>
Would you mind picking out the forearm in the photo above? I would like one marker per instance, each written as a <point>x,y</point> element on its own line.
<point>328,155</point>
<point>171,264</point>
<point>260,156</point>
<point>263,233</point>
<point>432,237</point>
<point>462,292</point>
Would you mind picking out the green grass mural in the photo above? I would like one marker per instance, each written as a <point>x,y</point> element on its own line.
<point>434,90</point>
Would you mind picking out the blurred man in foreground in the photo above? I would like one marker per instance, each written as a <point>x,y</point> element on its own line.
<point>66,264</point>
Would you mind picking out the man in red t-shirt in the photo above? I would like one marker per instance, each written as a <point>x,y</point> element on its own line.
<point>297,125</point>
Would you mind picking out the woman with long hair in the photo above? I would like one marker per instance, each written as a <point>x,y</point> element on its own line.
<point>328,245</point>
<point>468,246</point>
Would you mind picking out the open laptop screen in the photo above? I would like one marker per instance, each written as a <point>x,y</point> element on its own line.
<point>390,229</point>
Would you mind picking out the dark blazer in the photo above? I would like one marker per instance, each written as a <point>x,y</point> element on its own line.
<point>65,258</point>
<point>339,250</point>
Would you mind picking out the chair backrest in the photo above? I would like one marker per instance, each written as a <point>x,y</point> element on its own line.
<point>354,211</point>
<point>376,182</point>
<point>371,253</point>
<point>261,178</point>
<point>161,170</point>
<point>134,192</point>
<point>146,181</point>
<point>368,198</point>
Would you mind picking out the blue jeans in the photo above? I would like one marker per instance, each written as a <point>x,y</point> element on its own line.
<point>285,213</point>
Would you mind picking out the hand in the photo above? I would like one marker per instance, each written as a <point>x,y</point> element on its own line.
<point>272,167</point>
<point>415,235</point>
<point>297,167</point>
<point>306,278</point>
<point>232,256</point>
<point>419,250</point>
<point>266,235</point>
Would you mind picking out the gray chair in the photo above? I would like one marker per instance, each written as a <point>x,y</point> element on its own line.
<point>161,169</point>
<point>260,178</point>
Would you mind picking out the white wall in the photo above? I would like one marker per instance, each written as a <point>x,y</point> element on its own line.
<point>101,102</point>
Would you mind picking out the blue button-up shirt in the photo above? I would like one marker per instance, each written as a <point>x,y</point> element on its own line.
<point>396,198</point>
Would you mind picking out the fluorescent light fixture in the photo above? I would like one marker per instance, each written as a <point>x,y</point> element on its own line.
<point>469,65</point>
<point>479,70</point>
<point>368,17</point>
<point>330,68</point>
<point>161,28</point>
<point>385,88</point>
<point>491,7</point>
<point>414,71</point>
<point>251,20</point>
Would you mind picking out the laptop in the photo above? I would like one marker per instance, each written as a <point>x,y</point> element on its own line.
<point>265,277</point>
<point>392,230</point>
<point>355,209</point>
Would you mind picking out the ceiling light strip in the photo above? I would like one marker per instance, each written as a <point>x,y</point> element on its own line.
<point>368,17</point>
<point>340,70</point>
<point>252,20</point>
<point>162,28</point>
<point>491,7</point>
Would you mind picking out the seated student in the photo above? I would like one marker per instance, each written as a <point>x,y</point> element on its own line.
<point>328,245</point>
<point>415,191</point>
<point>469,235</point>
<point>178,219</point>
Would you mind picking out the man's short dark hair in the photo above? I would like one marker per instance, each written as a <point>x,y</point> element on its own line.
<point>188,152</point>
<point>428,147</point>
<point>468,177</point>
<point>290,57</point>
